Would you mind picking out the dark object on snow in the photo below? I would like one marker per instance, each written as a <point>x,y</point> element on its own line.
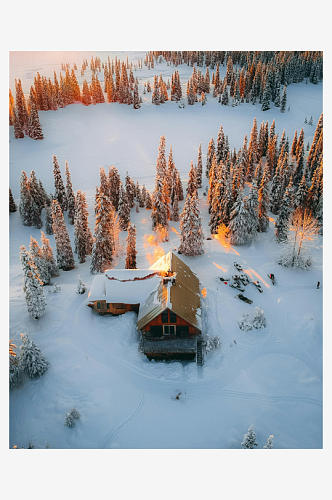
<point>241,277</point>
<point>238,267</point>
<point>245,299</point>
<point>224,279</point>
<point>258,286</point>
<point>179,251</point>
<point>318,283</point>
<point>272,278</point>
<point>237,285</point>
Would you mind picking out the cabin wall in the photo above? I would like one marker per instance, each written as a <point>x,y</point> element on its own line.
<point>113,308</point>
<point>157,321</point>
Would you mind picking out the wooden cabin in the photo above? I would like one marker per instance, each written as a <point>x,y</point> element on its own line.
<point>170,319</point>
<point>166,298</point>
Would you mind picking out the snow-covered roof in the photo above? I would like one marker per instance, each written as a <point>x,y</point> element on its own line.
<point>128,286</point>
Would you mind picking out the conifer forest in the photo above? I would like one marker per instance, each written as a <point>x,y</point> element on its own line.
<point>117,159</point>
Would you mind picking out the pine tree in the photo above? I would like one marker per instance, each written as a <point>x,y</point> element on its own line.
<point>161,212</point>
<point>209,157</point>
<point>148,201</point>
<point>252,206</point>
<point>192,182</point>
<point>192,237</point>
<point>83,236</point>
<point>301,196</point>
<point>131,247</point>
<point>26,201</point>
<point>34,127</point>
<point>114,186</point>
<point>249,439</point>
<point>240,224</point>
<point>12,205</point>
<point>104,239</point>
<point>225,98</point>
<point>15,368</point>
<point>64,253</point>
<point>283,219</point>
<point>252,151</point>
<point>259,320</point>
<point>124,209</point>
<point>70,196</point>
<point>32,359</point>
<point>283,100</point>
<point>40,262</point>
<point>60,193</point>
<point>81,287</point>
<point>130,190</point>
<point>32,285</point>
<point>136,103</point>
<point>155,94</point>
<point>269,443</point>
<point>47,254</point>
<point>263,202</point>
<point>18,131</point>
<point>48,220</point>
<point>199,167</point>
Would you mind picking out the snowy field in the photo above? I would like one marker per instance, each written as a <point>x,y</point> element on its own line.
<point>270,378</point>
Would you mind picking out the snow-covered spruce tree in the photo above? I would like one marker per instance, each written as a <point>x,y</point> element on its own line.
<point>209,157</point>
<point>32,285</point>
<point>259,320</point>
<point>12,205</point>
<point>283,100</point>
<point>83,236</point>
<point>160,211</point>
<point>192,237</point>
<point>60,192</point>
<point>251,202</point>
<point>81,287</point>
<point>282,222</point>
<point>136,102</point>
<point>225,98</point>
<point>240,223</point>
<point>179,186</point>
<point>263,202</point>
<point>18,130</point>
<point>148,201</point>
<point>64,252</point>
<point>249,439</point>
<point>48,220</point>
<point>47,254</point>
<point>37,201</point>
<point>104,242</point>
<point>33,362</point>
<point>26,201</point>
<point>73,415</point>
<point>70,196</point>
<point>252,151</point>
<point>269,443</point>
<point>124,209</point>
<point>34,127</point>
<point>114,186</point>
<point>130,190</point>
<point>131,247</point>
<point>199,167</point>
<point>192,181</point>
<point>15,369</point>
<point>39,261</point>
<point>245,323</point>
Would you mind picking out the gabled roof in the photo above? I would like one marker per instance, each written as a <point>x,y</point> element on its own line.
<point>180,293</point>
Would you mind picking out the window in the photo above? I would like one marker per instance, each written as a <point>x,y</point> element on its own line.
<point>98,305</point>
<point>119,306</point>
<point>108,306</point>
<point>169,329</point>
<point>172,317</point>
<point>164,316</point>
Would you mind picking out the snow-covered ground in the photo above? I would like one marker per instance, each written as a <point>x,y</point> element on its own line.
<point>270,378</point>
